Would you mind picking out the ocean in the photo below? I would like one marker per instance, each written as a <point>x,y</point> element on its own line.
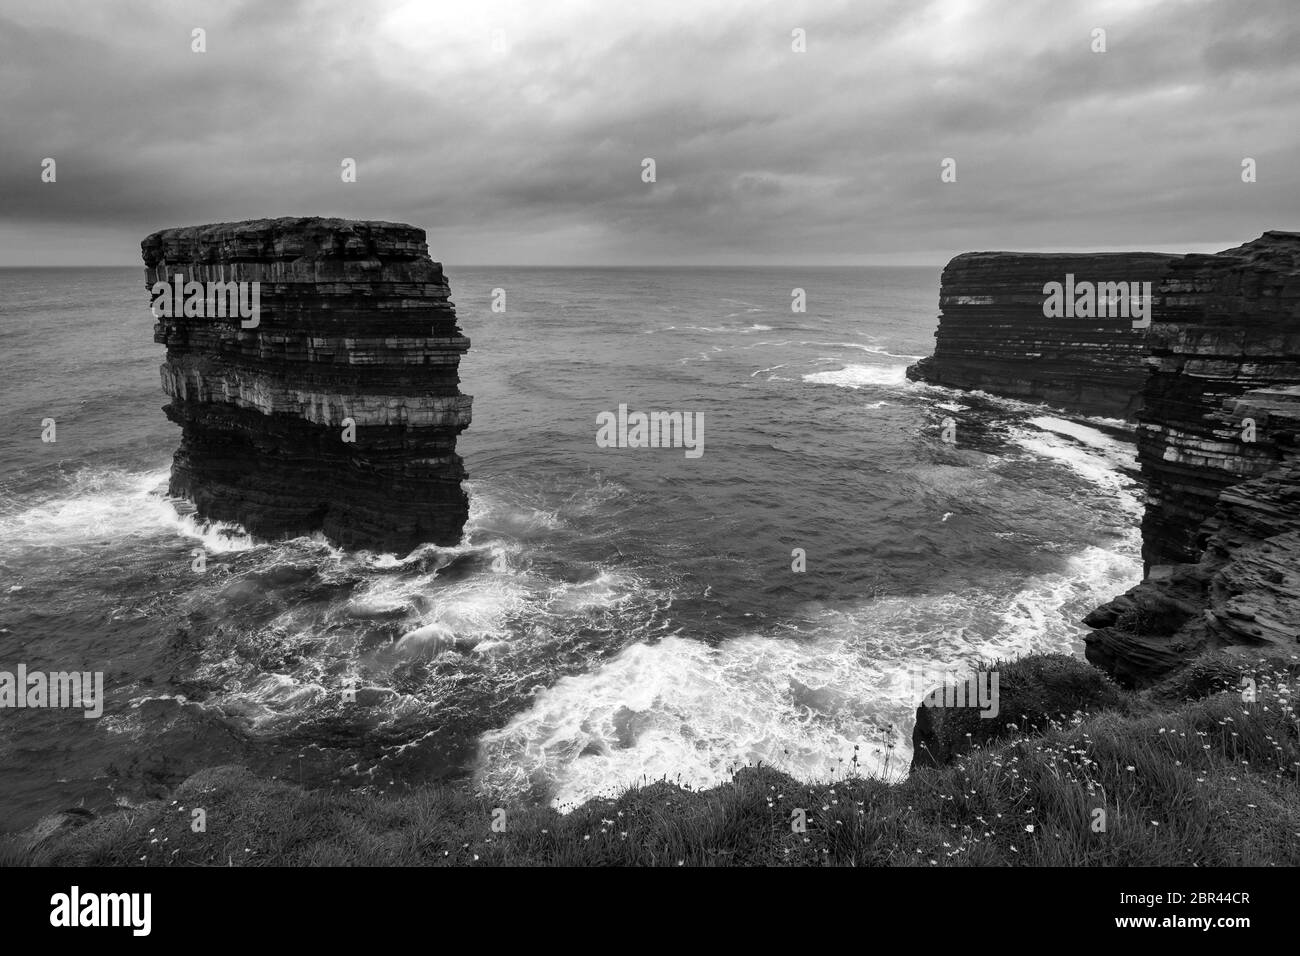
<point>612,615</point>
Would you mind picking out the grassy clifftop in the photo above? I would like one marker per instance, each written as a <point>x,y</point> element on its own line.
<point>1155,779</point>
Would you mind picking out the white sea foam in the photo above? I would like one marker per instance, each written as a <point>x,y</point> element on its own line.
<point>738,329</point>
<point>1011,404</point>
<point>491,513</point>
<point>873,349</point>
<point>1085,435</point>
<point>1044,616</point>
<point>681,707</point>
<point>860,376</point>
<point>459,613</point>
<point>1089,466</point>
<point>799,702</point>
<point>110,504</point>
<point>607,589</point>
<point>1099,462</point>
<point>218,537</point>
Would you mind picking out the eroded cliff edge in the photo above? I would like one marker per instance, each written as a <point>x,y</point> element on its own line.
<point>337,409</point>
<point>1214,385</point>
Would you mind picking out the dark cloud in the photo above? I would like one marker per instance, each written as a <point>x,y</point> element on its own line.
<point>532,153</point>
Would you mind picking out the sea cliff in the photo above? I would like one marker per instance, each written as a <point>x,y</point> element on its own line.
<point>1217,446</point>
<point>335,409</point>
<point>993,334</point>
<point>1214,386</point>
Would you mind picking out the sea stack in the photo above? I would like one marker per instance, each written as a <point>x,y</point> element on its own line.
<point>334,405</point>
<point>996,334</point>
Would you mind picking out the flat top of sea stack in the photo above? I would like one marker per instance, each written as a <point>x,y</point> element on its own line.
<point>284,238</point>
<point>284,224</point>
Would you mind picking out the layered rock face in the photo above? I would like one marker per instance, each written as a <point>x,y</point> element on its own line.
<point>1218,449</point>
<point>1242,595</point>
<point>1215,388</point>
<point>337,408</point>
<point>1224,325</point>
<point>993,334</point>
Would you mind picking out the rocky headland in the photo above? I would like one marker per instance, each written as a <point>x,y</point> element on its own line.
<point>993,334</point>
<point>335,408</point>
<point>1190,772</point>
<point>1214,387</point>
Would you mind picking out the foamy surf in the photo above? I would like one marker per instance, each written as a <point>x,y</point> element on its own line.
<point>113,505</point>
<point>683,709</point>
<point>806,704</point>
<point>861,376</point>
<point>734,329</point>
<point>1045,616</point>
<point>873,349</point>
<point>1086,451</point>
<point>429,636</point>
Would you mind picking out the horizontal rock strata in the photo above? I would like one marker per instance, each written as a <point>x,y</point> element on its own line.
<point>356,327</point>
<point>1224,325</point>
<point>993,335</point>
<point>1217,445</point>
<point>1214,386</point>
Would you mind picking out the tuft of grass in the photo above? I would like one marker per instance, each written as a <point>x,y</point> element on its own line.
<point>1034,692</point>
<point>1211,782</point>
<point>1153,614</point>
<point>1215,671</point>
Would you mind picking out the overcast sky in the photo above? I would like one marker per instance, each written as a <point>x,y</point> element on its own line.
<point>532,154</point>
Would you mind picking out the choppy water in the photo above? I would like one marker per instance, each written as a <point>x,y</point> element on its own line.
<point>611,613</point>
